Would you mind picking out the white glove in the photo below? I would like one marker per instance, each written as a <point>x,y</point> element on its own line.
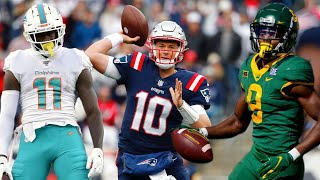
<point>5,168</point>
<point>95,162</point>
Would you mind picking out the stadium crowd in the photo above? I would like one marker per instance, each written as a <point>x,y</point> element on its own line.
<point>218,35</point>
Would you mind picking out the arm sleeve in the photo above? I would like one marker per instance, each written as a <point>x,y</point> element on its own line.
<point>123,66</point>
<point>9,104</point>
<point>298,73</point>
<point>112,70</point>
<point>201,96</point>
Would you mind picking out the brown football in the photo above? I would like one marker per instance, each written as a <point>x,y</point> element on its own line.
<point>134,23</point>
<point>192,145</point>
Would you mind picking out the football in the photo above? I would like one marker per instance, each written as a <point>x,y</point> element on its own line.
<point>134,23</point>
<point>192,145</point>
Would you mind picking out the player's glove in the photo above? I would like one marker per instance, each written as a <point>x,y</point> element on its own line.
<point>95,162</point>
<point>275,165</point>
<point>5,168</point>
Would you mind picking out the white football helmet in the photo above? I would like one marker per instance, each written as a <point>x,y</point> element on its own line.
<point>167,30</point>
<point>43,18</point>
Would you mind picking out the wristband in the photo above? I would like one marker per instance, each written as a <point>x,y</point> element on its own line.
<point>294,153</point>
<point>189,115</point>
<point>115,39</point>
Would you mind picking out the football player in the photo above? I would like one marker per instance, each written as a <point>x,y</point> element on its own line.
<point>159,97</point>
<point>46,78</point>
<point>277,89</point>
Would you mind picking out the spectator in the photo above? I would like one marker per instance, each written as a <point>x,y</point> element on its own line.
<point>190,61</point>
<point>196,39</point>
<point>309,48</point>
<point>217,92</point>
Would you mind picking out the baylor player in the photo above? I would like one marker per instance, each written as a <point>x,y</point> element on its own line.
<point>277,87</point>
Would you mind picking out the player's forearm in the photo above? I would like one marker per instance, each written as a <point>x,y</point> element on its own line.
<point>96,128</point>
<point>97,53</point>
<point>102,46</point>
<point>203,121</point>
<point>228,128</point>
<point>311,140</point>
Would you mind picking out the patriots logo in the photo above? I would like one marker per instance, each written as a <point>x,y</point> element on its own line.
<point>206,94</point>
<point>151,162</point>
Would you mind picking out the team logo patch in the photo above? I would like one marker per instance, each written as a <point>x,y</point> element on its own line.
<point>273,71</point>
<point>122,60</point>
<point>206,94</point>
<point>245,73</point>
<point>151,162</point>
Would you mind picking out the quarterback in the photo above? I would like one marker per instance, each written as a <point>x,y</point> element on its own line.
<point>159,97</point>
<point>48,78</point>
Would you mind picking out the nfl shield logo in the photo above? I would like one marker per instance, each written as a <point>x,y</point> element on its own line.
<point>160,83</point>
<point>273,71</point>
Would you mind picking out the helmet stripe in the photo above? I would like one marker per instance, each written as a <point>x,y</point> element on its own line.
<point>42,15</point>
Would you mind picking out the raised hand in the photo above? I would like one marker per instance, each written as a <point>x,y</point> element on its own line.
<point>129,40</point>
<point>176,94</point>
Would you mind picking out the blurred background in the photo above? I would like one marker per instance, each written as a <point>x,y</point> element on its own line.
<point>218,40</point>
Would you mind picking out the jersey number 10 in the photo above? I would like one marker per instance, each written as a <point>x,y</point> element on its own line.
<point>150,114</point>
<point>54,85</point>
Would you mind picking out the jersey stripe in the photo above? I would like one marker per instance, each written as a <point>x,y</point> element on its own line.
<point>137,61</point>
<point>195,82</point>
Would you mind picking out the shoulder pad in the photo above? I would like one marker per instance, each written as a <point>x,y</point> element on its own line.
<point>9,60</point>
<point>137,60</point>
<point>86,63</point>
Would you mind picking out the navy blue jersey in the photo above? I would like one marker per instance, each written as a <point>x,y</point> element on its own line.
<point>150,112</point>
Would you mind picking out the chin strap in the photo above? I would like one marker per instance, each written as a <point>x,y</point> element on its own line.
<point>264,47</point>
<point>48,47</point>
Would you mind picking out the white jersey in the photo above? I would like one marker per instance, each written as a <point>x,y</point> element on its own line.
<point>47,90</point>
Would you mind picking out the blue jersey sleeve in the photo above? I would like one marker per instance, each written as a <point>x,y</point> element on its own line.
<point>198,90</point>
<point>201,96</point>
<point>123,65</point>
<point>127,64</point>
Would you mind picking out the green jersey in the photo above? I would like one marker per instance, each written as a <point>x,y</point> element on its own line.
<point>277,117</point>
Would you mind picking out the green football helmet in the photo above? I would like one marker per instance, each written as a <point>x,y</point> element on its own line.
<point>275,21</point>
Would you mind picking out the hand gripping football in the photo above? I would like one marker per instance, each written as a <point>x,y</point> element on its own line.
<point>192,145</point>
<point>134,23</point>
